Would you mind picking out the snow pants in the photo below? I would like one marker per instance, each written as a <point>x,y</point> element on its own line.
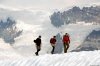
<point>66,46</point>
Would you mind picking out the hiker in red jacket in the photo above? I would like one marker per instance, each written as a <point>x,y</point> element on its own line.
<point>53,42</point>
<point>66,42</point>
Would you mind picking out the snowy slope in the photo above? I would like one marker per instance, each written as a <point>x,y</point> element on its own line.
<point>91,58</point>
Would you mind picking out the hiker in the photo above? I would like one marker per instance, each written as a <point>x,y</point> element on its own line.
<point>38,44</point>
<point>53,42</point>
<point>66,42</point>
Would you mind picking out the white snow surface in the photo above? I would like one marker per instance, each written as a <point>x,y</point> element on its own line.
<point>91,58</point>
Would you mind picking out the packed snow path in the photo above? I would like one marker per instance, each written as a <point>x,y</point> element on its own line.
<point>91,58</point>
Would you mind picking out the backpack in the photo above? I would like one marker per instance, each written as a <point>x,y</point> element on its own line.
<point>34,41</point>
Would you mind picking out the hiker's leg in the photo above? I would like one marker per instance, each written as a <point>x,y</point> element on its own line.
<point>64,47</point>
<point>38,49</point>
<point>67,47</point>
<point>53,47</point>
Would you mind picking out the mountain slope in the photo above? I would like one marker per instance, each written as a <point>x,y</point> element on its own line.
<point>91,42</point>
<point>76,14</point>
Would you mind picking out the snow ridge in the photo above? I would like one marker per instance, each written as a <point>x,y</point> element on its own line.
<point>70,59</point>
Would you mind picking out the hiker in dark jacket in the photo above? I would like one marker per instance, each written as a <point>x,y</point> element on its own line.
<point>38,44</point>
<point>53,42</point>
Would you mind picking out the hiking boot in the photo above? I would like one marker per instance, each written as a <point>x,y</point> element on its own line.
<point>36,53</point>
